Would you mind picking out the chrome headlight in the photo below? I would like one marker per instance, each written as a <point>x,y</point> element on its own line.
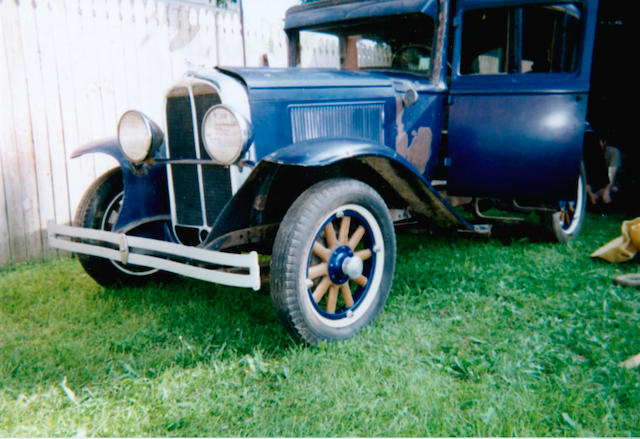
<point>225,134</point>
<point>138,136</point>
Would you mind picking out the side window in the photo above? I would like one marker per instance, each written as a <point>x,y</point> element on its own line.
<point>485,41</point>
<point>550,38</point>
<point>535,38</point>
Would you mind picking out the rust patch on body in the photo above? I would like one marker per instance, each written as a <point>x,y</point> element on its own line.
<point>442,26</point>
<point>419,151</point>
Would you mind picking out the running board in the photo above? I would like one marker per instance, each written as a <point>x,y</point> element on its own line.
<point>66,238</point>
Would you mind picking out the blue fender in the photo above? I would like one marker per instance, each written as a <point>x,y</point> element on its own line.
<point>146,198</point>
<point>324,152</point>
<point>106,146</point>
<point>401,175</point>
<point>281,176</point>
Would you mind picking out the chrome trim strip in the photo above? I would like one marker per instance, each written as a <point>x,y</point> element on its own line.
<point>126,253</point>
<point>196,145</point>
<point>172,199</point>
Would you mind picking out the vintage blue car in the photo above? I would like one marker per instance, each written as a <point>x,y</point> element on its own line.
<point>476,101</point>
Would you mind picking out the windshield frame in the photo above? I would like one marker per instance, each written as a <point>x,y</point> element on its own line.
<point>341,30</point>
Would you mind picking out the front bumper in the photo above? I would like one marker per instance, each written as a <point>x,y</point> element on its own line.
<point>129,251</point>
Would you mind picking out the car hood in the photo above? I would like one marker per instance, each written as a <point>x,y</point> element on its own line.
<point>270,78</point>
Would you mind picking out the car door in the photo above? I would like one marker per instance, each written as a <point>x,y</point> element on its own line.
<point>518,98</point>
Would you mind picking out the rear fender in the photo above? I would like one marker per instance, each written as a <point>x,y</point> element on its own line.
<point>282,176</point>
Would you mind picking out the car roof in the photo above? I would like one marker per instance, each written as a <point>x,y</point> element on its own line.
<point>323,12</point>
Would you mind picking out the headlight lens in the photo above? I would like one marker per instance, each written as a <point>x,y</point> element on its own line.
<point>225,134</point>
<point>135,136</point>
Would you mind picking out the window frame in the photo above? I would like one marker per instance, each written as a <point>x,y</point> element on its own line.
<point>432,75</point>
<point>516,36</point>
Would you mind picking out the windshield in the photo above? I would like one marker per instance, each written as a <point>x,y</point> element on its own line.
<point>402,42</point>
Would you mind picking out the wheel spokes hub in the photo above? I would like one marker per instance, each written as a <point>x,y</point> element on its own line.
<point>340,264</point>
<point>340,257</point>
<point>353,267</point>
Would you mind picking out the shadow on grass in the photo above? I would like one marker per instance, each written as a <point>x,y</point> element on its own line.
<point>531,230</point>
<point>95,336</point>
<point>526,231</point>
<point>241,319</point>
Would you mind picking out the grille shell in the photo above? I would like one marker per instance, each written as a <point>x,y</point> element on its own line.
<point>199,188</point>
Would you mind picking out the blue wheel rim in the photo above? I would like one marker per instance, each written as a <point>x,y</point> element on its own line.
<point>334,256</point>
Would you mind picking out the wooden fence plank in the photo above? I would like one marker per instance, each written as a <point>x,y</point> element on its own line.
<point>157,63</point>
<point>86,77</point>
<point>149,76</point>
<point>65,61</point>
<point>35,92</point>
<point>19,162</point>
<point>106,123</point>
<point>57,151</point>
<point>5,233</point>
<point>6,138</point>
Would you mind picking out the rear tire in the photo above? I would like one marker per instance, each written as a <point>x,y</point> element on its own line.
<point>99,209</point>
<point>565,224</point>
<point>333,261</point>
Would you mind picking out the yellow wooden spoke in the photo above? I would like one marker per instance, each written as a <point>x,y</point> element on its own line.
<point>363,254</point>
<point>330,235</point>
<point>361,280</point>
<point>343,235</point>
<point>321,251</point>
<point>356,237</point>
<point>333,298</point>
<point>318,270</point>
<point>347,298</point>
<point>321,289</point>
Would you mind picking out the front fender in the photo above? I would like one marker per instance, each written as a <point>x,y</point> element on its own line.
<point>146,198</point>
<point>281,177</point>
<point>325,152</point>
<point>402,176</point>
<point>106,146</point>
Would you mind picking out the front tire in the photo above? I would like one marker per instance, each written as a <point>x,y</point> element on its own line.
<point>99,209</point>
<point>565,224</point>
<point>333,261</point>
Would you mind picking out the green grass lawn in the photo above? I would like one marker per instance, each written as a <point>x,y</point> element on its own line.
<point>506,336</point>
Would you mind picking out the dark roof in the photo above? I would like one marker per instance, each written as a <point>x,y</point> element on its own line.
<point>330,11</point>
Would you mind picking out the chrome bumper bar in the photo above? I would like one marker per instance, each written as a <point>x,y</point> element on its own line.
<point>61,236</point>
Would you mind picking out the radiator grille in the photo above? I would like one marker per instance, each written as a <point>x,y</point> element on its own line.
<point>217,183</point>
<point>200,190</point>
<point>357,120</point>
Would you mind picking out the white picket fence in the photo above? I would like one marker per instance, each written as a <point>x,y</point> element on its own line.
<point>68,69</point>
<point>322,50</point>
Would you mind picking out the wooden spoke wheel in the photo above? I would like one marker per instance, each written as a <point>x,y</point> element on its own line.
<point>333,261</point>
